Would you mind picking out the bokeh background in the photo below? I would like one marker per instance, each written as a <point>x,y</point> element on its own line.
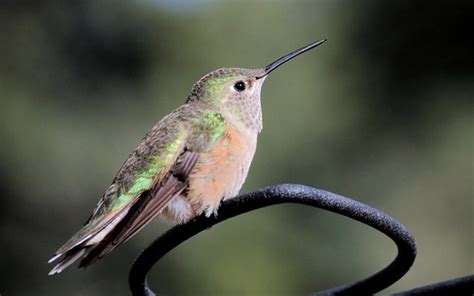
<point>381,113</point>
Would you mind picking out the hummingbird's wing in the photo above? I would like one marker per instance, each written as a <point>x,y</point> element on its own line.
<point>153,174</point>
<point>147,206</point>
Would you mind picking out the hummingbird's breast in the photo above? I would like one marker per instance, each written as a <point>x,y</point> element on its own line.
<point>219,174</point>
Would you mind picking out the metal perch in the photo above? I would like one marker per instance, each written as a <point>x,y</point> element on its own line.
<point>288,193</point>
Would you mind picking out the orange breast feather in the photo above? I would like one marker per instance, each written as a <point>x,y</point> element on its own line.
<point>221,172</point>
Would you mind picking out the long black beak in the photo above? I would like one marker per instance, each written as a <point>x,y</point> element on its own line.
<point>289,56</point>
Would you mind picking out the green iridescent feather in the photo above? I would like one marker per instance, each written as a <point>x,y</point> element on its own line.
<point>149,162</point>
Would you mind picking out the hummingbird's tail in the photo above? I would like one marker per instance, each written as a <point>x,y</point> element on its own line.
<point>69,258</point>
<point>82,246</point>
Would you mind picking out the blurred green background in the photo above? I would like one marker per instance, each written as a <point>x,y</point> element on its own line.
<point>381,113</point>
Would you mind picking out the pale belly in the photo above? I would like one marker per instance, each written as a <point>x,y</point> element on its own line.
<point>219,174</point>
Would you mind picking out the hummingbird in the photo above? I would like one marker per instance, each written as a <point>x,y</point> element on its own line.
<point>191,160</point>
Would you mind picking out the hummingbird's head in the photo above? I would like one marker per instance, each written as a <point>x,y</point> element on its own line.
<point>236,91</point>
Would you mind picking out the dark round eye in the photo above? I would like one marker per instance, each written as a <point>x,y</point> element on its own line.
<point>239,86</point>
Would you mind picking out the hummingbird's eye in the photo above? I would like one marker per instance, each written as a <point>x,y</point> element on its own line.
<point>239,86</point>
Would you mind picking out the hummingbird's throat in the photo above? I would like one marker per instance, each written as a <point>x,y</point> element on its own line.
<point>246,110</point>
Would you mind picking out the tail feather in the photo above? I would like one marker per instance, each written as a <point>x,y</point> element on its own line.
<point>83,247</point>
<point>69,258</point>
<point>56,256</point>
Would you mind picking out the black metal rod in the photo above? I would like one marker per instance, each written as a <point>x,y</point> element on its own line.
<point>458,286</point>
<point>288,193</point>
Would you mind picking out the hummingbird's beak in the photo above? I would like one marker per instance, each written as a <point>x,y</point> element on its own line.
<point>289,56</point>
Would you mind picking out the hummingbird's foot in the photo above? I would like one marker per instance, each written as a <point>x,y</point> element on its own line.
<point>211,211</point>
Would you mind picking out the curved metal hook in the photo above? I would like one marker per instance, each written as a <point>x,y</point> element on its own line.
<point>288,193</point>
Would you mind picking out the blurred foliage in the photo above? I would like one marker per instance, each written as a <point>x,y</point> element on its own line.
<point>381,113</point>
